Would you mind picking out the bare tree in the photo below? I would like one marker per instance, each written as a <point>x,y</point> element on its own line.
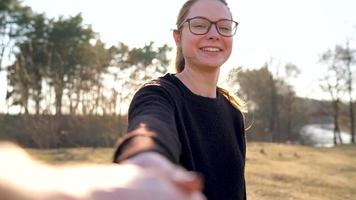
<point>347,57</point>
<point>334,83</point>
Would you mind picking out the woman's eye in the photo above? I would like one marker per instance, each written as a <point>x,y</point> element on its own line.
<point>199,26</point>
<point>225,28</point>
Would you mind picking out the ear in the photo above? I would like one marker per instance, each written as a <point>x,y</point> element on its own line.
<point>177,37</point>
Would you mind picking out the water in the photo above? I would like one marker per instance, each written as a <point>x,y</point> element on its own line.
<point>321,135</point>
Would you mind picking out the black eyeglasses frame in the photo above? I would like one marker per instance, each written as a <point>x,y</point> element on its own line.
<point>211,23</point>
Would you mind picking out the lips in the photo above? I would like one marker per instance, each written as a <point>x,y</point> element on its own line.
<point>211,49</point>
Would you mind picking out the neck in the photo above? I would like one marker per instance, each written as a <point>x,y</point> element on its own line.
<point>201,83</point>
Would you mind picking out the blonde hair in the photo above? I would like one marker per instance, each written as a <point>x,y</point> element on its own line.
<point>180,62</point>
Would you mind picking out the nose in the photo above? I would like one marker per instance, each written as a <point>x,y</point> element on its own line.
<point>213,32</point>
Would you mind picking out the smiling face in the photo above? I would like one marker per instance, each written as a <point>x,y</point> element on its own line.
<point>207,51</point>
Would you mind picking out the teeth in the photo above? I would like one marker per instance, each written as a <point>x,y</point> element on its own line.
<point>212,49</point>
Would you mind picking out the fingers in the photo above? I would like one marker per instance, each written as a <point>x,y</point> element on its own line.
<point>189,183</point>
<point>156,187</point>
<point>179,183</point>
<point>197,196</point>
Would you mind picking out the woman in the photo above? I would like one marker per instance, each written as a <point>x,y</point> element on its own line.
<point>185,118</point>
<point>176,122</point>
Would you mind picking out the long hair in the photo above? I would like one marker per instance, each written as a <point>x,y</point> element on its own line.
<point>180,62</point>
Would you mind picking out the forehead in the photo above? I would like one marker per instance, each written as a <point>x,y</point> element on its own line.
<point>211,9</point>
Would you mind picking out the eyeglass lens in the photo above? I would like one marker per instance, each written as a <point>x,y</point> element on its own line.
<point>201,26</point>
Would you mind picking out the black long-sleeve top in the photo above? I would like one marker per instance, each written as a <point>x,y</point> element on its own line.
<point>199,133</point>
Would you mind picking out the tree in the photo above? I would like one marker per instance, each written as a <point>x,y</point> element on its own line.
<point>116,71</point>
<point>18,78</point>
<point>347,57</point>
<point>270,101</point>
<point>61,54</point>
<point>289,97</point>
<point>254,87</point>
<point>67,38</point>
<point>136,66</point>
<point>31,61</point>
<point>88,76</point>
<point>334,83</point>
<point>13,18</point>
<point>147,63</point>
<point>34,51</point>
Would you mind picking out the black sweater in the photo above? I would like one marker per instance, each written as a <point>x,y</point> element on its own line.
<point>202,134</point>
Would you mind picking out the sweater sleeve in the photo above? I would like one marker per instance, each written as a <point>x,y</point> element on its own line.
<point>151,126</point>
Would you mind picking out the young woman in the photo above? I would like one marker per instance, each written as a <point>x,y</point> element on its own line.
<point>178,123</point>
<point>185,118</point>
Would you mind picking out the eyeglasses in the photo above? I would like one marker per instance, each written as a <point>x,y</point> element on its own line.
<point>202,25</point>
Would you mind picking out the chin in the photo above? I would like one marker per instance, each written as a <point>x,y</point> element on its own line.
<point>207,64</point>
<point>213,62</point>
<point>211,66</point>
<point>216,64</point>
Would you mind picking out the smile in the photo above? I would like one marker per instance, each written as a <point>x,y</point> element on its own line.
<point>211,49</point>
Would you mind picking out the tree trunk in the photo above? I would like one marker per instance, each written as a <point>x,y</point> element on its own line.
<point>274,111</point>
<point>58,93</point>
<point>352,122</point>
<point>348,60</point>
<point>37,101</point>
<point>25,100</point>
<point>289,116</point>
<point>351,108</point>
<point>37,107</point>
<point>336,122</point>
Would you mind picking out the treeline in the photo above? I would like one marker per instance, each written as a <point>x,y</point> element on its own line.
<point>61,65</point>
<point>66,87</point>
<point>69,87</point>
<point>276,114</point>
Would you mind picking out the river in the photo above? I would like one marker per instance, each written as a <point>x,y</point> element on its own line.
<point>321,135</point>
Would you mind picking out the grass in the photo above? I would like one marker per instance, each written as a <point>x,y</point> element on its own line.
<point>299,172</point>
<point>273,171</point>
<point>81,155</point>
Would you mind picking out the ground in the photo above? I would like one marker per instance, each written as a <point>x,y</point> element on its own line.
<point>273,171</point>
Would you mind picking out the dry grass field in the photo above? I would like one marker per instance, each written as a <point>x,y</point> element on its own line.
<point>296,172</point>
<point>273,171</point>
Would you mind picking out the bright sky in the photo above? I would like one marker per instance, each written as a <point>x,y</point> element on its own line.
<point>284,30</point>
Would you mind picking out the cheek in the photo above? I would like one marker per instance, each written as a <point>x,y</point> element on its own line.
<point>228,45</point>
<point>188,45</point>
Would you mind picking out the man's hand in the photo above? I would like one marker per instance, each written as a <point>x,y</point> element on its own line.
<point>188,182</point>
<point>143,177</point>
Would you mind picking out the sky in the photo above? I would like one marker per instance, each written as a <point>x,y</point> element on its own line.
<point>275,31</point>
